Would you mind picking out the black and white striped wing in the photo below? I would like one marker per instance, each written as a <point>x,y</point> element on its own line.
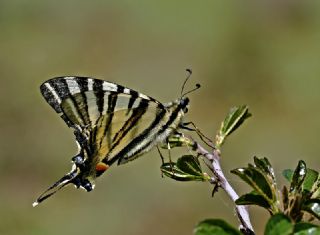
<point>131,132</point>
<point>119,122</point>
<point>86,99</point>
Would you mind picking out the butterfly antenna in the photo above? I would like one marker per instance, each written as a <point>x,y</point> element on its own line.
<point>189,71</point>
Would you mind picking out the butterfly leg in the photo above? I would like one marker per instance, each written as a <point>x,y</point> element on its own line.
<point>162,158</point>
<point>169,154</point>
<point>203,137</point>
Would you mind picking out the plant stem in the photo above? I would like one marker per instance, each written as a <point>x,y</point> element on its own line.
<point>242,211</point>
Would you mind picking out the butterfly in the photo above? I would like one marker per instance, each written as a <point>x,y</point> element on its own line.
<point>111,124</point>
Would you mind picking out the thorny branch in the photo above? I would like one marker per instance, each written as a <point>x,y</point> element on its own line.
<point>214,159</point>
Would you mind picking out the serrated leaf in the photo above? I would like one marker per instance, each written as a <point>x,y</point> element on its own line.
<point>312,206</point>
<point>306,229</point>
<point>279,224</point>
<point>215,226</point>
<point>264,165</point>
<point>257,180</point>
<point>189,164</point>
<point>234,119</point>
<point>172,171</point>
<point>253,198</point>
<point>298,177</point>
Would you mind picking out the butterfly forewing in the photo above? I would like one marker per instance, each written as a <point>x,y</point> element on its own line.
<point>82,100</point>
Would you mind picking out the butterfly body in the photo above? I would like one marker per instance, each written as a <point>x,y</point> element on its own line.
<point>111,123</point>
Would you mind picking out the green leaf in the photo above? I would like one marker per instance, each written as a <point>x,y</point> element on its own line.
<point>287,174</point>
<point>312,206</point>
<point>253,198</point>
<point>306,229</point>
<point>190,164</point>
<point>187,168</point>
<point>234,119</point>
<point>279,224</point>
<point>309,181</point>
<point>298,177</point>
<point>170,170</point>
<point>257,180</point>
<point>216,227</point>
<point>264,165</point>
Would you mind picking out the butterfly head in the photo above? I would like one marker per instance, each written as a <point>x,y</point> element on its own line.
<point>184,103</point>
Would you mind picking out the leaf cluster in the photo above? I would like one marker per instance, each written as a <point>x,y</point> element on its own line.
<point>292,208</point>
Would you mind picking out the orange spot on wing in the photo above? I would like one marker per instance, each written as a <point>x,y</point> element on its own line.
<point>101,167</point>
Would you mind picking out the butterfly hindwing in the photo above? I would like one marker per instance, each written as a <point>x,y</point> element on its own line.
<point>123,137</point>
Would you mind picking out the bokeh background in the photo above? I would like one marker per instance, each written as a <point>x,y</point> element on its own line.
<point>262,53</point>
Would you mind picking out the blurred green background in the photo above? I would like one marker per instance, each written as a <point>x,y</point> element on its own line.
<point>262,53</point>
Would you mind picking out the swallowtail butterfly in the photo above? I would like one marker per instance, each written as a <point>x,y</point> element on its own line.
<point>111,123</point>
